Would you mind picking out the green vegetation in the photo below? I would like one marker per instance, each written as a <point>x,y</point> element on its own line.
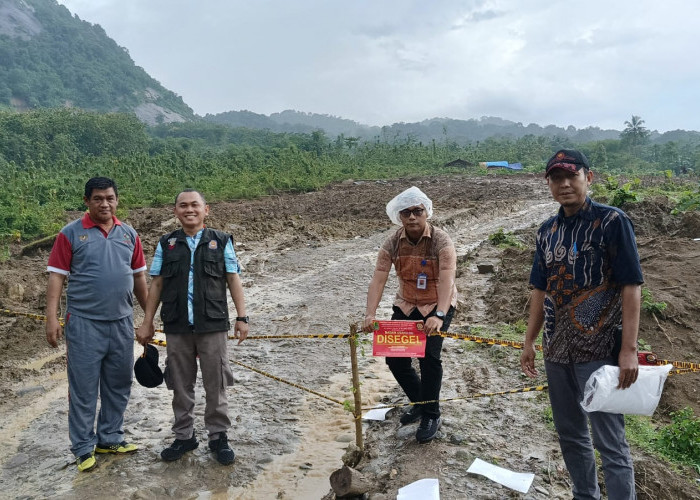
<point>678,442</point>
<point>67,61</point>
<point>514,331</point>
<point>611,192</point>
<point>505,239</point>
<point>47,155</point>
<point>651,307</point>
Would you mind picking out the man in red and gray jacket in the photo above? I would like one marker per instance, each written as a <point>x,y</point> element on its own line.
<point>103,260</point>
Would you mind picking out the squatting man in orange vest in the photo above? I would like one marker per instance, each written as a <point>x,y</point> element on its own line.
<point>192,269</point>
<point>425,261</point>
<point>586,282</point>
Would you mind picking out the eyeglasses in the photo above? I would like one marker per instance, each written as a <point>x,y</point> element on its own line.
<point>406,212</point>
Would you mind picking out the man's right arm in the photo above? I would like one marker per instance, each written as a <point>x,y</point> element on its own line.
<point>374,296</point>
<point>534,325</point>
<point>53,298</point>
<point>147,329</point>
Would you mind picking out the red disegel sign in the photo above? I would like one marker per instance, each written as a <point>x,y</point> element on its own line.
<point>400,339</point>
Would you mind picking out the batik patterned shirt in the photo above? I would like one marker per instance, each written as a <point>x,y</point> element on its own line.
<point>582,262</point>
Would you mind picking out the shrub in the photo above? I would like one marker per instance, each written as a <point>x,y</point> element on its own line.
<point>680,440</point>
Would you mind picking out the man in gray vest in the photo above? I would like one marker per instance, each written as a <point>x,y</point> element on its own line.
<point>104,263</point>
<point>191,270</point>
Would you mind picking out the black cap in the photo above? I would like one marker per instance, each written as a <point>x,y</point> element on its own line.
<point>567,159</point>
<point>146,368</point>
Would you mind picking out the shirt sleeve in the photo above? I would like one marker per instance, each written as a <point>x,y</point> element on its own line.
<point>61,256</point>
<point>157,263</point>
<point>230,259</point>
<point>447,254</point>
<point>138,261</point>
<point>384,257</point>
<point>538,274</point>
<point>624,257</point>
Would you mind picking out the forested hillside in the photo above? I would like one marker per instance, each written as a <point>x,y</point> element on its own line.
<point>461,132</point>
<point>49,58</point>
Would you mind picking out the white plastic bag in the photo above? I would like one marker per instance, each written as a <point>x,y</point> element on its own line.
<point>412,197</point>
<point>641,398</point>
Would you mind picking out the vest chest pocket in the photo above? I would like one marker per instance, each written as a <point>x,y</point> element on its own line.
<point>213,265</point>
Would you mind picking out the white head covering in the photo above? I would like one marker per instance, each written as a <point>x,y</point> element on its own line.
<point>412,197</point>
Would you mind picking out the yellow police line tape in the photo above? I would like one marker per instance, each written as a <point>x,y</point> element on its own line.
<point>269,375</point>
<point>163,343</point>
<point>681,366</point>
<point>483,340</point>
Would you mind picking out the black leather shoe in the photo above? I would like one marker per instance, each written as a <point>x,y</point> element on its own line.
<point>224,453</point>
<point>179,448</point>
<point>412,415</point>
<point>428,428</point>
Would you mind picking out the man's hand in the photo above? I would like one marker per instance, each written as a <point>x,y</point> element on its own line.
<point>53,331</point>
<point>368,324</point>
<point>240,331</point>
<point>145,333</point>
<point>629,368</point>
<point>432,325</point>
<point>527,361</point>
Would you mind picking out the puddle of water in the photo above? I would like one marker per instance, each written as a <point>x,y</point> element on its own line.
<point>39,363</point>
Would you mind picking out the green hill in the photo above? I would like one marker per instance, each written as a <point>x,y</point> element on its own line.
<point>50,58</point>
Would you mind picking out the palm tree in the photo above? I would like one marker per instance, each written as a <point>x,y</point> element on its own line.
<point>635,133</point>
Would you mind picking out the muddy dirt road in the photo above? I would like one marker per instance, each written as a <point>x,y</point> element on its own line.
<point>308,259</point>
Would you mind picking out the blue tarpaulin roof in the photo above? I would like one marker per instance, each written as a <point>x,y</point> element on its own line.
<point>503,164</point>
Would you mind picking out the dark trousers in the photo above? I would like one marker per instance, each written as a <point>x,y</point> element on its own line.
<point>566,384</point>
<point>427,386</point>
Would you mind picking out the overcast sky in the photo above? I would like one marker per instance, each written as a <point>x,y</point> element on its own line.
<point>581,63</point>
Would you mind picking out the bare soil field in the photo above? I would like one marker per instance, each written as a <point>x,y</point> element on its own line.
<point>308,259</point>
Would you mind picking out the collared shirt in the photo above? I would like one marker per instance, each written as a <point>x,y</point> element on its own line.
<point>230,261</point>
<point>582,262</point>
<point>100,267</point>
<point>434,252</point>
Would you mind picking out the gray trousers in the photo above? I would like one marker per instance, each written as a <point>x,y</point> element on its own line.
<point>566,384</point>
<point>100,358</point>
<point>183,349</point>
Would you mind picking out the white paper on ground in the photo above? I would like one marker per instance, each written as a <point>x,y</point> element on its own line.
<point>377,413</point>
<point>518,481</point>
<point>423,489</point>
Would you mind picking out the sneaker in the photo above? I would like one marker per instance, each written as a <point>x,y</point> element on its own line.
<point>122,447</point>
<point>428,428</point>
<point>179,448</point>
<point>224,453</point>
<point>412,415</point>
<point>86,462</point>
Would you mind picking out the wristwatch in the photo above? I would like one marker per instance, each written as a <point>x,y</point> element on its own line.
<point>440,315</point>
<point>244,319</point>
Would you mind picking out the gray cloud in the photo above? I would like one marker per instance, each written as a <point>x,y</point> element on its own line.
<point>547,61</point>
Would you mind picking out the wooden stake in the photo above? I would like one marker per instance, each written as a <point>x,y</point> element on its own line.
<point>356,387</point>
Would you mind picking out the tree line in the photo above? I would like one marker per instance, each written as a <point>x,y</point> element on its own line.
<point>47,155</point>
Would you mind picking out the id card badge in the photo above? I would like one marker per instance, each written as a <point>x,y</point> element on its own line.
<point>422,281</point>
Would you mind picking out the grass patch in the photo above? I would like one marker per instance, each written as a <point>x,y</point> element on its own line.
<point>505,239</point>
<point>650,306</point>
